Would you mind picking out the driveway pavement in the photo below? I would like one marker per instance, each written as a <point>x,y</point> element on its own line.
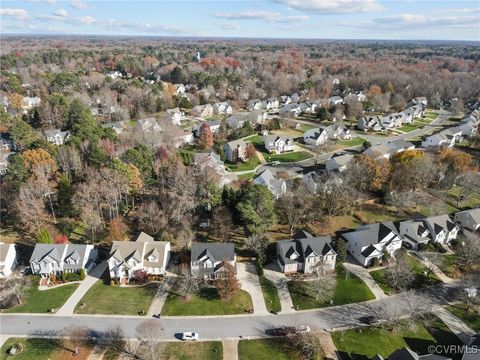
<point>230,349</point>
<point>457,326</point>
<point>247,275</point>
<point>95,274</point>
<point>365,276</point>
<point>280,281</point>
<point>439,273</point>
<point>157,302</point>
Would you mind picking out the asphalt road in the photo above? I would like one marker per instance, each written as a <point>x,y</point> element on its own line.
<point>231,327</point>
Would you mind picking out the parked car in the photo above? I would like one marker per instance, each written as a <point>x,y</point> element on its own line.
<point>189,336</point>
<point>286,330</point>
<point>303,329</point>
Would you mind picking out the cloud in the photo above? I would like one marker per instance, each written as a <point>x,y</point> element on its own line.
<point>60,13</point>
<point>269,16</point>
<point>19,14</point>
<point>333,6</point>
<point>51,2</point>
<point>229,26</point>
<point>79,4</point>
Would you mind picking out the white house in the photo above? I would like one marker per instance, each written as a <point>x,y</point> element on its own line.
<point>222,108</point>
<point>115,75</point>
<point>320,180</point>
<point>175,116</point>
<point>285,99</point>
<point>212,161</point>
<point>291,109</point>
<point>438,140</point>
<point>30,103</point>
<point>369,242</point>
<point>334,100</point>
<point>8,259</point>
<point>213,125</point>
<point>148,124</point>
<point>144,254</point>
<point>414,233</point>
<point>339,163</point>
<point>57,136</point>
<point>442,228</point>
<point>255,104</point>
<point>236,121</point>
<point>315,136</point>
<point>468,219</point>
<point>276,144</point>
<point>203,110</point>
<point>338,132</point>
<point>276,186</point>
<point>179,89</point>
<point>387,150</point>
<point>235,150</point>
<point>117,126</point>
<point>308,107</point>
<point>371,123</point>
<point>272,104</point>
<point>208,259</point>
<point>54,259</point>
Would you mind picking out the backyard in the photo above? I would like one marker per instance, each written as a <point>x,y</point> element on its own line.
<point>207,302</point>
<point>349,289</point>
<point>115,300</point>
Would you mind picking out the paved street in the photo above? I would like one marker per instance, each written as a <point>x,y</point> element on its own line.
<point>230,327</point>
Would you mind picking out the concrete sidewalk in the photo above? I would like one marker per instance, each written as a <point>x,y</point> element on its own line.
<point>157,303</point>
<point>457,326</point>
<point>230,349</point>
<point>365,276</point>
<point>280,281</point>
<point>248,277</point>
<point>95,274</point>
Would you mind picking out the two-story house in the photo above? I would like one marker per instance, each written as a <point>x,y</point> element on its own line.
<point>369,242</point>
<point>468,219</point>
<point>235,151</point>
<point>142,254</point>
<point>8,259</point>
<point>276,186</point>
<point>54,259</point>
<point>414,233</point>
<point>208,260</point>
<point>308,255</point>
<point>276,144</point>
<point>315,136</point>
<point>57,136</point>
<point>442,228</point>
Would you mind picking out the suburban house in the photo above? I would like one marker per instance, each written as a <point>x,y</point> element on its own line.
<point>438,140</point>
<point>54,259</point>
<point>392,121</point>
<point>185,138</point>
<point>369,242</point>
<point>442,228</point>
<point>308,107</point>
<point>118,126</point>
<point>338,132</point>
<point>179,89</point>
<point>253,117</point>
<point>388,149</point>
<point>175,116</point>
<point>339,162</point>
<point>142,254</point>
<point>308,255</point>
<point>272,104</point>
<point>29,103</point>
<point>320,180</point>
<point>276,186</point>
<point>8,259</point>
<point>315,136</point>
<point>407,354</point>
<point>213,125</point>
<point>414,233</point>
<point>255,104</point>
<point>203,110</point>
<point>57,136</point>
<point>295,97</point>
<point>148,124</point>
<point>208,260</point>
<point>334,100</point>
<point>212,161</point>
<point>285,99</point>
<point>115,75</point>
<point>291,109</point>
<point>222,108</point>
<point>369,123</point>
<point>468,219</point>
<point>276,144</point>
<point>235,150</point>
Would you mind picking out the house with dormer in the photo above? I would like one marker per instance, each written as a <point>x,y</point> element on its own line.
<point>255,104</point>
<point>414,233</point>
<point>54,259</point>
<point>274,184</point>
<point>442,228</point>
<point>315,136</point>
<point>307,255</point>
<point>148,125</point>
<point>142,254</point>
<point>222,108</point>
<point>207,260</point>
<point>276,144</point>
<point>370,242</point>
<point>203,110</point>
<point>468,219</point>
<point>175,116</point>
<point>56,136</point>
<point>235,151</point>
<point>272,103</point>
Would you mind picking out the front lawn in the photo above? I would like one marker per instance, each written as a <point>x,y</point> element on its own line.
<point>349,143</point>
<point>294,156</point>
<point>470,318</point>
<point>372,340</point>
<point>207,302</point>
<point>448,264</point>
<point>204,350</point>
<point>270,294</point>
<point>35,349</point>
<point>349,289</point>
<point>265,349</point>
<point>251,164</point>
<point>41,301</point>
<point>419,281</point>
<point>411,127</point>
<point>116,300</point>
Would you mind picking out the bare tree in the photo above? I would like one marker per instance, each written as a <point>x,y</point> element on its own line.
<point>307,344</point>
<point>149,332</point>
<point>468,252</point>
<point>228,283</point>
<point>77,336</point>
<point>400,276</point>
<point>293,208</point>
<point>323,287</point>
<point>114,339</point>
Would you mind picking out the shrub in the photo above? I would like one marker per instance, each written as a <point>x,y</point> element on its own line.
<point>72,276</point>
<point>82,274</point>
<point>64,276</point>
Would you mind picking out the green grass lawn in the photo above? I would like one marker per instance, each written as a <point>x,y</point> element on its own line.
<point>115,300</point>
<point>369,214</point>
<point>412,126</point>
<point>270,294</point>
<point>34,349</point>
<point>265,349</point>
<point>37,301</point>
<point>207,303</point>
<point>288,157</point>
<point>251,164</point>
<point>349,143</point>
<point>349,289</point>
<point>472,200</point>
<point>448,264</point>
<point>247,176</point>
<point>470,318</point>
<point>203,350</point>
<point>372,340</point>
<point>419,281</point>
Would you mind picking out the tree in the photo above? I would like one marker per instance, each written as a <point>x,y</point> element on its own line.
<point>142,158</point>
<point>82,124</point>
<point>293,208</point>
<point>186,285</point>
<point>82,274</point>
<point>336,194</point>
<point>323,287</point>
<point>61,239</point>
<point>114,339</point>
<point>307,344</point>
<point>341,249</point>
<point>456,162</point>
<point>77,336</point>
<point>228,284</point>
<point>39,159</point>
<point>258,243</point>
<point>256,208</point>
<point>221,224</point>
<point>251,151</point>
<point>400,276</point>
<point>30,207</point>
<point>22,134</point>
<point>44,237</point>
<point>323,114</point>
<point>149,332</point>
<point>65,191</point>
<point>117,229</point>
<point>468,252</point>
<point>369,174</point>
<point>17,173</point>
<point>205,137</point>
<point>411,170</point>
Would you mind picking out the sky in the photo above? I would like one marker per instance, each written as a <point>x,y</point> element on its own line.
<point>306,19</point>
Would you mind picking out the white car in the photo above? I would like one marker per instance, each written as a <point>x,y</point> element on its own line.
<point>190,336</point>
<point>303,329</point>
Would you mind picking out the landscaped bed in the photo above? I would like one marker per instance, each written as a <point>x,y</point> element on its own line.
<point>265,349</point>
<point>373,340</point>
<point>349,289</point>
<point>207,302</point>
<point>42,301</point>
<point>420,278</point>
<point>116,300</point>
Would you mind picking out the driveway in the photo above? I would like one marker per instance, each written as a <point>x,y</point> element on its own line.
<point>438,273</point>
<point>457,326</point>
<point>280,280</point>
<point>230,349</point>
<point>94,275</point>
<point>247,275</point>
<point>365,276</point>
